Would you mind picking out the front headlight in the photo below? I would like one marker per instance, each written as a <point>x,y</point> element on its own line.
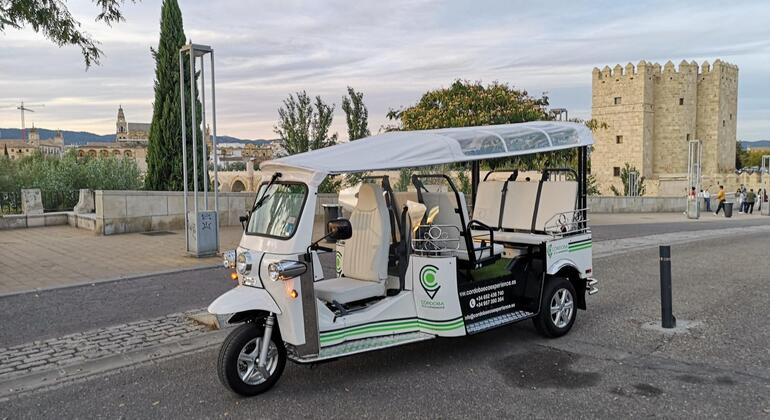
<point>229,259</point>
<point>243,263</point>
<point>286,269</point>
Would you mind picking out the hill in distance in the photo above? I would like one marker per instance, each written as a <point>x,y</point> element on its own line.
<point>83,137</point>
<point>757,144</point>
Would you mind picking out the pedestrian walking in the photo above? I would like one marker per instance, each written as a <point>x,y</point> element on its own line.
<point>720,199</point>
<point>707,199</point>
<point>750,199</point>
<point>741,196</point>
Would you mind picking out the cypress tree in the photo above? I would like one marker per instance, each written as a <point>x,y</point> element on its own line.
<point>164,152</point>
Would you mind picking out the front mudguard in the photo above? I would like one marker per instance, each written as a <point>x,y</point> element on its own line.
<point>242,300</point>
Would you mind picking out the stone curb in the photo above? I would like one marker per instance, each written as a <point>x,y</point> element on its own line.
<point>111,280</point>
<point>53,378</point>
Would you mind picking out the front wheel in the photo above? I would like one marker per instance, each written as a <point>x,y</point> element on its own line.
<point>238,361</point>
<point>557,308</point>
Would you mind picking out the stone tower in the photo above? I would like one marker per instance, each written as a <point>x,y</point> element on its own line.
<point>653,112</point>
<point>121,132</point>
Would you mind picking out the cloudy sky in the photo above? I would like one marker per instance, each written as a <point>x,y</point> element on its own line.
<point>393,51</point>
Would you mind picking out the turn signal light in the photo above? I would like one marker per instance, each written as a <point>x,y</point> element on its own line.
<point>234,276</point>
<point>293,294</point>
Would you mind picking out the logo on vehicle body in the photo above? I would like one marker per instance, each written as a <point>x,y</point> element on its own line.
<point>338,263</point>
<point>429,280</point>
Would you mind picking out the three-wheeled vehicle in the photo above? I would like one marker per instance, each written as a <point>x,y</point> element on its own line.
<point>412,265</point>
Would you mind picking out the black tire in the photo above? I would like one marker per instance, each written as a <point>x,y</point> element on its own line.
<point>544,321</point>
<point>227,363</point>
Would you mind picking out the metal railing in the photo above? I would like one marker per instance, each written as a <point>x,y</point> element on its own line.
<point>10,201</point>
<point>435,240</point>
<point>567,222</point>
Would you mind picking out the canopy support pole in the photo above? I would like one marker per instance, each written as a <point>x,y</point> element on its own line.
<point>474,181</point>
<point>582,184</point>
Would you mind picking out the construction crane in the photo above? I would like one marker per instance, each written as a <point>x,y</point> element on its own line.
<point>23,108</point>
<point>28,108</point>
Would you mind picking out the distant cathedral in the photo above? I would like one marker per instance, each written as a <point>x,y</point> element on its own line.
<point>129,131</point>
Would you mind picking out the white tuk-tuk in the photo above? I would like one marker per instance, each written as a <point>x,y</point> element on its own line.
<point>410,266</point>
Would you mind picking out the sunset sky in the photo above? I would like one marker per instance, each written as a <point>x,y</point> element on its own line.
<point>393,51</point>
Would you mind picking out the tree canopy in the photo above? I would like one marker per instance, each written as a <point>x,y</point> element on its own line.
<point>466,104</point>
<point>164,152</point>
<point>356,114</point>
<point>54,20</point>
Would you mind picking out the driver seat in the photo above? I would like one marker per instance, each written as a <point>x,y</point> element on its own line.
<point>365,265</point>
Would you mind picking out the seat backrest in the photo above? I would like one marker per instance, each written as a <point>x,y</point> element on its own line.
<point>519,206</point>
<point>448,216</point>
<point>366,252</point>
<point>556,197</point>
<point>489,196</point>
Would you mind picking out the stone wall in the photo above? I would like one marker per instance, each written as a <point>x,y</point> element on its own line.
<point>144,211</point>
<point>655,110</point>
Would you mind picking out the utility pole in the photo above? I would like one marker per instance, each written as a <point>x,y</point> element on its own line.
<point>23,108</point>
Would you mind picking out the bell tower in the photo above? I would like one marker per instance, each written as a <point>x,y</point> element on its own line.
<point>121,132</point>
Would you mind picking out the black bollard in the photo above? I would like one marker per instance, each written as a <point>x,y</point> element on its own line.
<point>668,319</point>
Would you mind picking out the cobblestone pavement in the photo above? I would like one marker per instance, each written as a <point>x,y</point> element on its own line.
<point>56,256</point>
<point>72,349</point>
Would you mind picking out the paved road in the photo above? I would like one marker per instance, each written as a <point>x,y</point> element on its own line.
<point>608,367</point>
<point>626,230</point>
<point>53,313</point>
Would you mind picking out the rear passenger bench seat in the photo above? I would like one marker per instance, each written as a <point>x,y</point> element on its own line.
<point>522,217</point>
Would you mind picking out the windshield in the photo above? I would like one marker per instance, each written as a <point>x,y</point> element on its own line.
<point>279,212</point>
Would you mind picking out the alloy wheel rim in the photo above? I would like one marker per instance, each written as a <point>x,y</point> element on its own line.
<point>562,307</point>
<point>248,359</point>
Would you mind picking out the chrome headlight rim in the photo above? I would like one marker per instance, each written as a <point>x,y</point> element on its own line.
<point>285,270</point>
<point>244,263</point>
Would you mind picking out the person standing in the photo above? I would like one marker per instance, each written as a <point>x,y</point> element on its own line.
<point>707,199</point>
<point>750,199</point>
<point>740,198</point>
<point>720,199</point>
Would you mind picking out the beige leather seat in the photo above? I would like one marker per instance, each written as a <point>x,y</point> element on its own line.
<point>365,265</point>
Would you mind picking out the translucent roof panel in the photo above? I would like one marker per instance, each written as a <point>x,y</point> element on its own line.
<point>409,149</point>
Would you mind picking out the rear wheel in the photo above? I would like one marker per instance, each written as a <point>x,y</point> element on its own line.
<point>557,308</point>
<point>238,361</point>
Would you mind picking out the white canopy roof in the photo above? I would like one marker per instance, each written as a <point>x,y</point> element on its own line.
<point>409,149</point>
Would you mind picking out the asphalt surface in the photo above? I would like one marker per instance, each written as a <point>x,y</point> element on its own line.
<point>56,312</point>
<point>609,366</point>
<point>621,231</point>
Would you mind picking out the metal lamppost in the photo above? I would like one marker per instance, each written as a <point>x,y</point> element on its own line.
<point>694,158</point>
<point>201,225</point>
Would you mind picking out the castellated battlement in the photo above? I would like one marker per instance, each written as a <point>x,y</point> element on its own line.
<point>629,71</point>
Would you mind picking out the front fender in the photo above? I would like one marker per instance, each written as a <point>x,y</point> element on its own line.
<point>242,299</point>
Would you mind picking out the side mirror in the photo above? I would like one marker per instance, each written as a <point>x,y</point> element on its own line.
<point>339,229</point>
<point>244,220</point>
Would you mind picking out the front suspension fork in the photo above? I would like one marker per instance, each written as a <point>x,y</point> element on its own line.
<point>269,324</point>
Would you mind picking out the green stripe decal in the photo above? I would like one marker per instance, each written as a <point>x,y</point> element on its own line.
<point>394,326</point>
<point>580,247</point>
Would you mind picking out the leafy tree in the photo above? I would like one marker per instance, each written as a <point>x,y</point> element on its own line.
<point>357,119</point>
<point>640,188</point>
<point>463,181</point>
<point>69,173</point>
<point>466,104</point>
<point>404,179</point>
<point>356,115</point>
<point>741,156</point>
<point>164,152</point>
<point>54,20</point>
<point>304,125</point>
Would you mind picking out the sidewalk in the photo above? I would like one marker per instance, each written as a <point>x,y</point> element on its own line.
<point>57,256</point>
